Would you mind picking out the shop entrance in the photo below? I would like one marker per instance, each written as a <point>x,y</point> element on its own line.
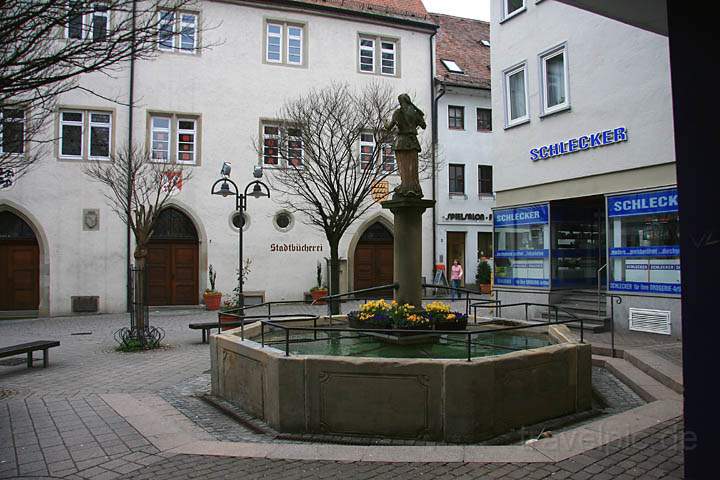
<point>172,261</point>
<point>578,242</point>
<point>373,262</point>
<point>19,264</point>
<point>456,249</point>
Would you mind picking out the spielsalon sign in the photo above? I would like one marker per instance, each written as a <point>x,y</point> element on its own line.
<point>583,142</point>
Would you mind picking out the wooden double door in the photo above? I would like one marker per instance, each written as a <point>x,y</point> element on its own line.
<point>19,275</point>
<point>373,261</point>
<point>172,273</point>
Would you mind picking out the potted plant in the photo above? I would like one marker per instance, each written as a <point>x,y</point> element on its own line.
<point>212,297</point>
<point>319,290</point>
<point>483,276</point>
<point>232,302</point>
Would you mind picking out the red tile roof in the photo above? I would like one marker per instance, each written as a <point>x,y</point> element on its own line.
<point>413,9</point>
<point>459,39</point>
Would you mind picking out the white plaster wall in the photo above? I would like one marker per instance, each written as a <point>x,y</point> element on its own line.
<point>471,148</point>
<point>232,90</point>
<point>618,76</point>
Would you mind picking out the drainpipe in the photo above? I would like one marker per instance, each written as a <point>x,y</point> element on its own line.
<point>433,153</point>
<point>131,100</point>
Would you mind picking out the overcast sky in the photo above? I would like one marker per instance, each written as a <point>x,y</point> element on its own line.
<point>479,9</point>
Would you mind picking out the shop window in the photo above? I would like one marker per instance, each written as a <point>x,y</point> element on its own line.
<point>644,242</point>
<point>457,179</point>
<point>522,238</point>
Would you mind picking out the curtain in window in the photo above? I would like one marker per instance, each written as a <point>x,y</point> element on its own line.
<point>517,95</point>
<point>555,77</point>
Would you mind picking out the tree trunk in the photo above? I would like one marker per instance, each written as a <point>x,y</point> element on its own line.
<point>139,300</point>
<point>334,275</point>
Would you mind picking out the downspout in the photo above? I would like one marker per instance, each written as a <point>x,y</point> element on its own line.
<point>433,151</point>
<point>131,101</point>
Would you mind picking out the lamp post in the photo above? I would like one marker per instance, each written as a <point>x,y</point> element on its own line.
<point>227,188</point>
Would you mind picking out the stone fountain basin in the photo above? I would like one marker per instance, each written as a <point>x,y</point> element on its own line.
<point>425,399</point>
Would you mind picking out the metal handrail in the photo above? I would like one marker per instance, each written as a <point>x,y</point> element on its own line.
<point>468,333</point>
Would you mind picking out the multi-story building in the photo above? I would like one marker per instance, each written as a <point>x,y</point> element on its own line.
<point>200,107</point>
<point>585,178</point>
<point>465,194</point>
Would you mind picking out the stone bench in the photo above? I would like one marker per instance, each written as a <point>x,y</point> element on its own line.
<point>29,348</point>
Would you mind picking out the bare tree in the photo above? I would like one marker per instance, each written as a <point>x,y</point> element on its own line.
<point>332,151</point>
<point>137,189</point>
<point>45,45</point>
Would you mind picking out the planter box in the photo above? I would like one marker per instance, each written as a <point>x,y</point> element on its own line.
<point>212,301</point>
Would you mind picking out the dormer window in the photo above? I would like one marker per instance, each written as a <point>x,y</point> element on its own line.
<point>452,66</point>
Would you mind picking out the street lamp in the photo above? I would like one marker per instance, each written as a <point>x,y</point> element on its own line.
<point>227,188</point>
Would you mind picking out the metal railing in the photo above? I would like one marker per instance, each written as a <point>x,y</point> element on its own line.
<point>468,334</point>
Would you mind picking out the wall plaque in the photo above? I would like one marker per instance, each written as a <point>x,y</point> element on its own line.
<point>91,220</point>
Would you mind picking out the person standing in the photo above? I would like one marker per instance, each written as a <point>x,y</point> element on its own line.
<point>456,275</point>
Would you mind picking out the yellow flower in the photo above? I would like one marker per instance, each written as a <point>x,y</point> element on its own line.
<point>450,317</point>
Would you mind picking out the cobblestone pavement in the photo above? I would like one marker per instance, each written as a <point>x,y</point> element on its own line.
<point>54,424</point>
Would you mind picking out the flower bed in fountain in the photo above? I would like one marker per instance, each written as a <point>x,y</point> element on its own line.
<point>383,315</point>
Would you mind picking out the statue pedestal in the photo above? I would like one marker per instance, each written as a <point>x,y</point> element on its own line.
<point>408,246</point>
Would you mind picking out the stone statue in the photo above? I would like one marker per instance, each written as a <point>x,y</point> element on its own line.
<point>407,118</point>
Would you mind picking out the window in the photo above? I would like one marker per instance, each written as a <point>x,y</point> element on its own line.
<point>85,135</point>
<point>283,221</point>
<point>522,236</point>
<point>516,95</point>
<point>367,55</point>
<point>388,58</point>
<point>512,7</point>
<point>388,157</point>
<point>177,31</point>
<point>457,179</point>
<point>484,120</point>
<point>371,48</point>
<point>284,43</point>
<point>452,66</point>
<point>485,180</point>
<point>554,80</point>
<point>88,21</point>
<point>367,150</point>
<point>280,146</point>
<point>456,117</point>
<point>12,130</point>
<point>184,149</point>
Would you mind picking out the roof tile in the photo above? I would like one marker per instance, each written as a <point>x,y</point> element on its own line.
<point>460,40</point>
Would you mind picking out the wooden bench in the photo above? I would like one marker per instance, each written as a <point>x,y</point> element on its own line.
<point>207,326</point>
<point>29,348</point>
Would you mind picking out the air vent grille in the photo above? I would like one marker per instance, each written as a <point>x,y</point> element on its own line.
<point>651,321</point>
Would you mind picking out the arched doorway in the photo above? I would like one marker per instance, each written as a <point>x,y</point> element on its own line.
<point>19,264</point>
<point>172,261</point>
<point>373,262</point>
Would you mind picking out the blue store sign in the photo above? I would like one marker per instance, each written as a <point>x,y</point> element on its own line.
<point>537,214</point>
<point>583,142</point>
<point>662,201</point>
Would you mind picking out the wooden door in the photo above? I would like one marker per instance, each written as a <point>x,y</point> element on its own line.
<point>373,267</point>
<point>172,273</point>
<point>19,276</point>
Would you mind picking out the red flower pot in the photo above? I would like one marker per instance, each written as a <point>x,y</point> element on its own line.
<point>317,294</point>
<point>212,300</point>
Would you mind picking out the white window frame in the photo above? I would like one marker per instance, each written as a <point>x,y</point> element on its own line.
<point>452,66</point>
<point>276,136</point>
<point>302,148</point>
<point>367,143</point>
<point>92,124</point>
<point>366,48</point>
<point>167,130</point>
<point>81,124</point>
<point>507,14</point>
<point>511,122</point>
<point>178,23</point>
<point>179,131</point>
<point>542,61</point>
<point>384,155</point>
<point>289,37</point>
<point>87,28</point>
<point>393,51</point>
<point>2,128</point>
<point>283,138</point>
<point>281,36</point>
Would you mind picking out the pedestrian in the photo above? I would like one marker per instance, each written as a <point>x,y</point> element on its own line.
<point>456,275</point>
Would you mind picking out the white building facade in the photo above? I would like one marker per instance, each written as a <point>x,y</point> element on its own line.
<point>586,186</point>
<point>201,107</point>
<point>465,193</point>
